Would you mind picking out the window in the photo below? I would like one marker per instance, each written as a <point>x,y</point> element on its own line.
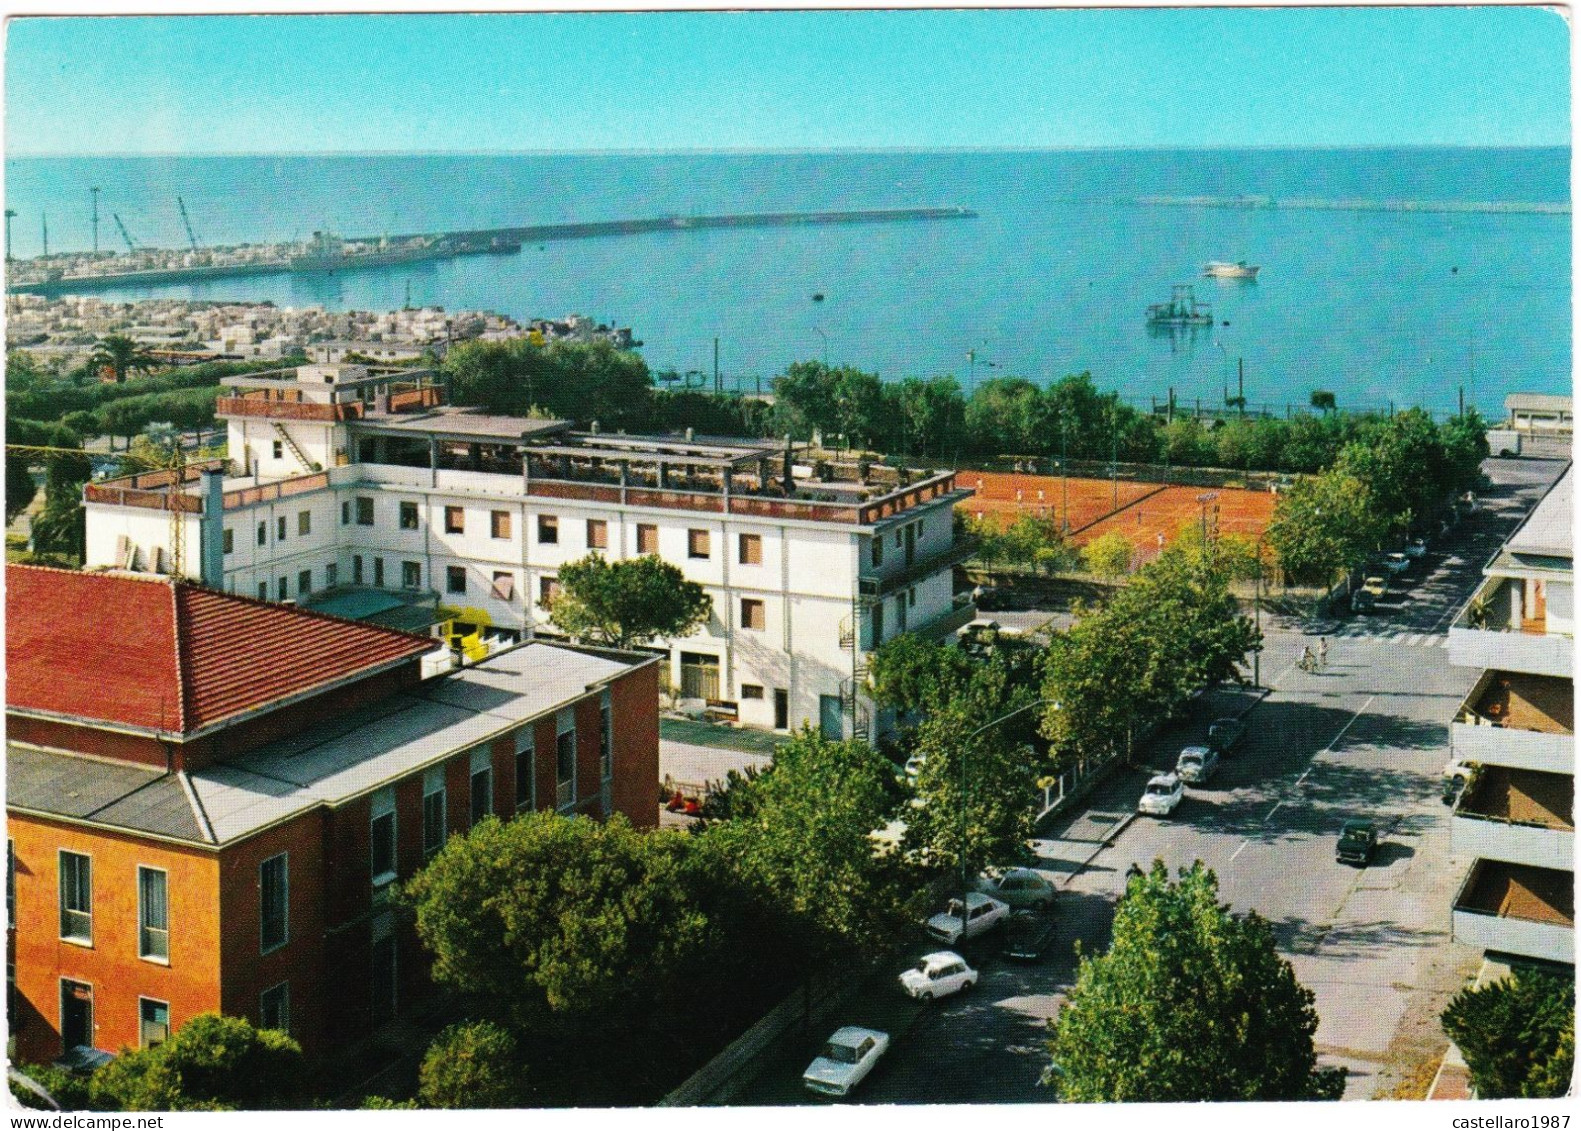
<point>647,538</point>
<point>504,587</point>
<point>565,759</point>
<point>753,614</point>
<point>345,513</point>
<point>304,583</point>
<point>381,838</point>
<point>274,1008</point>
<point>548,529</point>
<point>364,510</point>
<point>434,822</point>
<point>751,549</point>
<point>897,537</point>
<point>263,590</point>
<point>76,897</point>
<point>597,534</point>
<point>548,590</point>
<point>606,736</point>
<point>697,544</point>
<point>228,541</point>
<point>331,575</point>
<point>455,520</point>
<point>408,516</point>
<point>279,529</point>
<point>455,579</point>
<point>263,533</point>
<point>356,569</point>
<point>499,524</point>
<point>279,449</point>
<point>282,588</point>
<point>482,784</point>
<point>526,773</point>
<point>751,691</point>
<point>153,915</point>
<point>274,893</point>
<point>378,573</point>
<point>153,1021</point>
<point>304,522</point>
<point>878,550</point>
<point>411,575</point>
<point>911,597</point>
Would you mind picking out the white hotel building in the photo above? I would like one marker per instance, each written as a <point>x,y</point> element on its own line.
<point>360,490</point>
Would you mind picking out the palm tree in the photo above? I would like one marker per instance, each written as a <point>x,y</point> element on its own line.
<point>121,355</point>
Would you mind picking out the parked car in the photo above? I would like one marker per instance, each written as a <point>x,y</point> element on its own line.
<point>1226,735</point>
<point>914,768</point>
<point>1162,795</point>
<point>1197,764</point>
<point>1027,935</point>
<point>1363,601</point>
<point>1396,563</point>
<point>1357,841</point>
<point>983,913</point>
<point>847,1058</point>
<point>1456,776</point>
<point>1022,888</point>
<point>1377,585</point>
<point>1416,548</point>
<point>938,975</point>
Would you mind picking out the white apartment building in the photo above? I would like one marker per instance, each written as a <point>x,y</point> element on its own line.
<point>1516,817</point>
<point>348,479</point>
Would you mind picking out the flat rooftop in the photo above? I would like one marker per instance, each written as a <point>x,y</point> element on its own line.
<point>1548,531</point>
<point>324,765</point>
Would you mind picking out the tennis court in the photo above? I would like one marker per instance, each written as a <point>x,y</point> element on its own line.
<point>1001,496</point>
<point>1153,522</point>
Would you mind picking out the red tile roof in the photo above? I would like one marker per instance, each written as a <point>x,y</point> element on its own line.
<point>144,651</point>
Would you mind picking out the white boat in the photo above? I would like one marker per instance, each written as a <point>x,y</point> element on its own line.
<point>1241,270</point>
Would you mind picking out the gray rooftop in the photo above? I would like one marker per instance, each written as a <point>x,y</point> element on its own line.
<point>324,765</point>
<point>1536,402</point>
<point>1547,532</point>
<point>460,422</point>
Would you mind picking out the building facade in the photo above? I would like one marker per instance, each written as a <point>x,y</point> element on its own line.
<point>209,799</point>
<point>355,477</point>
<point>1515,819</point>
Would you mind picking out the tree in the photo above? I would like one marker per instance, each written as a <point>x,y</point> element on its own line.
<point>1517,1034</point>
<point>911,674</point>
<point>570,380</point>
<point>19,485</point>
<point>932,415</point>
<point>1109,555</point>
<point>1324,524</point>
<point>1401,463</point>
<point>471,1066</point>
<point>626,603</point>
<point>121,355</point>
<point>1008,416</point>
<point>1323,400</point>
<point>1190,1003</point>
<point>212,1063</point>
<point>549,916</point>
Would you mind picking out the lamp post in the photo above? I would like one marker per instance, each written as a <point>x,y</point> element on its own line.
<point>825,338</point>
<point>965,747</point>
<point>1257,613</point>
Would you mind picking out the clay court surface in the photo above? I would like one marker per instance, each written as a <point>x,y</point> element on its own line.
<point>1146,510</point>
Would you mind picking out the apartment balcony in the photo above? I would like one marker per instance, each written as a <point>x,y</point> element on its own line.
<point>1493,632</point>
<point>1518,910</point>
<point>1516,816</point>
<point>1517,720</point>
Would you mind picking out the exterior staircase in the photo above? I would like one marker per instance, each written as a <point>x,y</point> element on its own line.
<point>291,445</point>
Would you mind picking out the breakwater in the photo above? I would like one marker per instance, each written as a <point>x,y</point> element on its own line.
<point>1500,207</point>
<point>447,245</point>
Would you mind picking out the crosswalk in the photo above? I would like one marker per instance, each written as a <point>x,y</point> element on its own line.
<point>1409,639</point>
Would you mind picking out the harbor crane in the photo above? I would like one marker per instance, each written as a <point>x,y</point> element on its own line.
<point>186,223</point>
<point>131,248</point>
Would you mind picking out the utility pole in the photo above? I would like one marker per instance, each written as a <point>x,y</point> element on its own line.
<point>44,220</point>
<point>1114,453</point>
<point>1064,482</point>
<point>95,191</point>
<point>717,387</point>
<point>1240,384</point>
<point>9,213</point>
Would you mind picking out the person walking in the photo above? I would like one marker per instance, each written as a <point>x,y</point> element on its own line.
<point>1308,660</point>
<point>1322,653</point>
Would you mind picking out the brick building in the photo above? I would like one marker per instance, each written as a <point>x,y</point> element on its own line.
<point>209,798</point>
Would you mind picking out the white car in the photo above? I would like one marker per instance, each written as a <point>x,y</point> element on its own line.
<point>1163,794</point>
<point>847,1057</point>
<point>938,975</point>
<point>914,766</point>
<point>1396,564</point>
<point>1416,548</point>
<point>983,913</point>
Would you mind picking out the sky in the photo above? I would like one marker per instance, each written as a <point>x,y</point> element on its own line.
<point>787,80</point>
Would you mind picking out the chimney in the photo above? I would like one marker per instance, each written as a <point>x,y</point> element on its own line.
<point>211,529</point>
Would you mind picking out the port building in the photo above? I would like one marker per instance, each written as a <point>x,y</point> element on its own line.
<point>210,797</point>
<point>360,489</point>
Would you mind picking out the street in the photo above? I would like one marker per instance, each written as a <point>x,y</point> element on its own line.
<point>1365,737</point>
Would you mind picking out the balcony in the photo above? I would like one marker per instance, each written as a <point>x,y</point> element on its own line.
<point>1493,632</point>
<point>1518,910</point>
<point>1518,720</point>
<point>1516,816</point>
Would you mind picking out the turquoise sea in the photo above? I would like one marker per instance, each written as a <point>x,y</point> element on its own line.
<point>1053,276</point>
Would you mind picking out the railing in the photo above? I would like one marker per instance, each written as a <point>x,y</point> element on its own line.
<point>287,410</point>
<point>148,500</point>
<point>923,492</point>
<point>268,492</point>
<point>406,401</point>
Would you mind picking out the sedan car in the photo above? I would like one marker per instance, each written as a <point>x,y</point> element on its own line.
<point>847,1058</point>
<point>938,975</point>
<point>1027,935</point>
<point>1022,888</point>
<point>1197,764</point>
<point>1226,736</point>
<point>1357,841</point>
<point>1416,548</point>
<point>1162,796</point>
<point>1363,601</point>
<point>1396,564</point>
<point>1377,585</point>
<point>983,913</point>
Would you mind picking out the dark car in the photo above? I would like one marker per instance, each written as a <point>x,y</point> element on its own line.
<point>1363,601</point>
<point>1357,842</point>
<point>1027,935</point>
<point>1226,735</point>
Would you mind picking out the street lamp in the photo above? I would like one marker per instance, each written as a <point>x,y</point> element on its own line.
<point>965,747</point>
<point>972,360</point>
<point>825,338</point>
<point>1257,613</point>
